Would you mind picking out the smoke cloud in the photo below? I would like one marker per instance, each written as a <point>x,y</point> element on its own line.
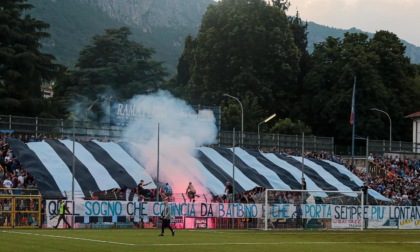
<point>181,129</point>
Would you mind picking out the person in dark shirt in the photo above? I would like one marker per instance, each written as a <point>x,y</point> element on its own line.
<point>166,217</point>
<point>303,184</point>
<point>364,189</point>
<point>141,191</point>
<point>298,215</point>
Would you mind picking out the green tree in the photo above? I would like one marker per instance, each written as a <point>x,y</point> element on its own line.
<point>402,92</point>
<point>288,127</point>
<point>283,4</point>
<point>23,68</point>
<point>177,84</point>
<point>231,114</point>
<point>112,65</point>
<point>244,48</point>
<point>329,85</point>
<point>300,37</point>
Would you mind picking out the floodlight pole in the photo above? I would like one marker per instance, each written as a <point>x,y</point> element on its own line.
<point>157,176</point>
<point>73,175</point>
<point>303,156</point>
<point>233,174</point>
<point>390,126</point>
<point>242,116</point>
<point>265,121</point>
<point>90,107</point>
<point>303,165</point>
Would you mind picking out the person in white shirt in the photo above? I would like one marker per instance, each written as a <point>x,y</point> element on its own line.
<point>7,183</point>
<point>371,161</point>
<point>371,158</point>
<point>21,178</point>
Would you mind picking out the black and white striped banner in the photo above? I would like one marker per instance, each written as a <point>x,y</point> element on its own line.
<point>102,166</point>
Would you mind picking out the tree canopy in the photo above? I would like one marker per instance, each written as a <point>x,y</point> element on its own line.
<point>111,66</point>
<point>384,80</point>
<point>23,68</point>
<point>251,50</point>
<point>248,49</point>
<point>243,48</point>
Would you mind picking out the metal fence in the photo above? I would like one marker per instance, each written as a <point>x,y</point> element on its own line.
<point>279,141</point>
<point>380,148</point>
<point>20,208</point>
<point>44,127</point>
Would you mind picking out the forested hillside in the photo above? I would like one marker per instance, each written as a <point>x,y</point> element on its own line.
<point>160,24</point>
<point>206,54</point>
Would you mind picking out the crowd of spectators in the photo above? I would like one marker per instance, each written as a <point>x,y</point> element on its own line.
<point>393,176</point>
<point>12,173</point>
<point>13,181</point>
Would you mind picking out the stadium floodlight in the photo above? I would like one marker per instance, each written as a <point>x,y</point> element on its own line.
<point>390,125</point>
<point>265,121</point>
<point>242,116</point>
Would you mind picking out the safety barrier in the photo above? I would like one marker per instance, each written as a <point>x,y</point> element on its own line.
<point>20,208</point>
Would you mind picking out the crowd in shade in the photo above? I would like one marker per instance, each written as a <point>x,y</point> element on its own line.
<point>12,172</point>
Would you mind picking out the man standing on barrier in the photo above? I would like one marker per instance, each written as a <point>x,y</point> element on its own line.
<point>62,209</point>
<point>166,217</point>
<point>229,193</point>
<point>191,192</point>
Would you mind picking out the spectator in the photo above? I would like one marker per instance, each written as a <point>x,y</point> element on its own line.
<point>141,191</point>
<point>7,183</point>
<point>298,215</point>
<point>229,193</point>
<point>1,172</point>
<point>21,178</point>
<point>18,190</point>
<point>191,192</point>
<point>168,191</point>
<point>371,161</point>
<point>33,139</point>
<point>303,184</point>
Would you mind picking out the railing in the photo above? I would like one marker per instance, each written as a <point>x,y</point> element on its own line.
<point>20,208</point>
<point>60,128</point>
<point>279,141</point>
<point>381,148</point>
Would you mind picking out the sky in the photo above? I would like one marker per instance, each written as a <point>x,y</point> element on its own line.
<point>401,17</point>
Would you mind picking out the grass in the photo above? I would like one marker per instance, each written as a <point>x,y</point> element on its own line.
<point>208,240</point>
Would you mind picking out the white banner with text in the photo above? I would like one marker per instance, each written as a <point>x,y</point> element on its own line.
<point>341,216</point>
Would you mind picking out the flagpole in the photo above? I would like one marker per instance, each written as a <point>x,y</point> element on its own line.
<point>157,166</point>
<point>353,122</point>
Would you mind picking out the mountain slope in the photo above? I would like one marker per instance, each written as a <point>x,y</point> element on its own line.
<point>160,24</point>
<point>318,33</point>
